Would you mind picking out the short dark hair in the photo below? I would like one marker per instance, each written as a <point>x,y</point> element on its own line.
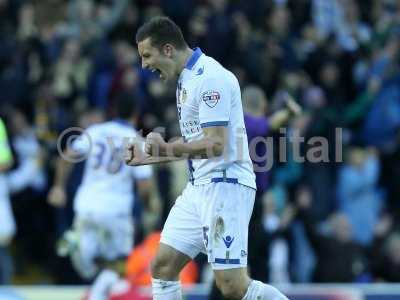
<point>161,30</point>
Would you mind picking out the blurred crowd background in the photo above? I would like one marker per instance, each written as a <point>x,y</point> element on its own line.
<point>64,64</point>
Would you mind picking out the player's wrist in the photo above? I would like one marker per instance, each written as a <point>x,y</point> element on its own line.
<point>59,186</point>
<point>175,149</point>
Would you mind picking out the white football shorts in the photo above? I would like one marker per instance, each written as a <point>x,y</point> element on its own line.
<point>107,238</point>
<point>214,219</point>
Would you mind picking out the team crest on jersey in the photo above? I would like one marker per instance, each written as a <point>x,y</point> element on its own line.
<point>211,98</point>
<point>182,96</point>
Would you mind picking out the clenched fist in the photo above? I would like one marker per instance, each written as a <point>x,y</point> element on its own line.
<point>155,144</point>
<point>134,153</point>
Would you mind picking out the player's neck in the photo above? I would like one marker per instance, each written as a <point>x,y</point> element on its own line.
<point>131,121</point>
<point>183,58</point>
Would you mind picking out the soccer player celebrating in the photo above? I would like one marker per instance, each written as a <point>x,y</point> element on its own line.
<point>212,214</point>
<point>102,234</point>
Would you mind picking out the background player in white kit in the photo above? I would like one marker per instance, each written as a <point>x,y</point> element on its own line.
<point>213,212</point>
<point>102,235</point>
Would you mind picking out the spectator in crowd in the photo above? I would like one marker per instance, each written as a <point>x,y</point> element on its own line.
<point>339,258</point>
<point>90,22</point>
<point>358,195</point>
<point>385,251</point>
<point>29,173</point>
<point>269,252</point>
<point>258,128</point>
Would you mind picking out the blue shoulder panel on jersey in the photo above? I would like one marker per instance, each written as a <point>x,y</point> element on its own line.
<point>215,123</point>
<point>194,58</point>
<point>122,122</point>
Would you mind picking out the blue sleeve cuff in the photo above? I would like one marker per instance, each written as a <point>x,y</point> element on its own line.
<point>215,123</point>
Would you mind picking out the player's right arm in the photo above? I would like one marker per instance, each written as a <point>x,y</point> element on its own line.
<point>135,155</point>
<point>150,160</point>
<point>79,146</point>
<point>143,176</point>
<point>57,195</point>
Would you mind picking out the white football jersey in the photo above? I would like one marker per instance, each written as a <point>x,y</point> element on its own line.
<point>107,186</point>
<point>209,95</point>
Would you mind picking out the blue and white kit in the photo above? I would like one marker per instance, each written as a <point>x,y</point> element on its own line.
<point>213,212</point>
<point>104,200</point>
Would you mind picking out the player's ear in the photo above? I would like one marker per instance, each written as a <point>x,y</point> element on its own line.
<point>168,50</point>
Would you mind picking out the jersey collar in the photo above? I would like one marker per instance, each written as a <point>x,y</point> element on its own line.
<point>122,122</point>
<point>194,58</point>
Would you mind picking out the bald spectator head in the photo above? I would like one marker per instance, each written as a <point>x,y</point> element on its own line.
<point>254,100</point>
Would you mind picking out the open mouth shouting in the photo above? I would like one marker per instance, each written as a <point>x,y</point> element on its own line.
<point>159,72</point>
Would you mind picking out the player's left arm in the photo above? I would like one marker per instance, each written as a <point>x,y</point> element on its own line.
<point>215,97</point>
<point>211,145</point>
